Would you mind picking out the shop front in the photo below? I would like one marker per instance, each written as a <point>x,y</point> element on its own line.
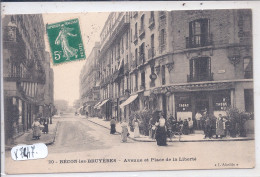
<point>204,102</point>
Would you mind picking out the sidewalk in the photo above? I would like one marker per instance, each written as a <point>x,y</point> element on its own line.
<point>183,138</point>
<point>47,139</point>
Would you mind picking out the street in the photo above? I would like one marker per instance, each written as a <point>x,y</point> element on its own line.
<point>89,145</point>
<point>76,134</point>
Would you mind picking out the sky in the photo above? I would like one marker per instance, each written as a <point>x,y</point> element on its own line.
<point>66,76</point>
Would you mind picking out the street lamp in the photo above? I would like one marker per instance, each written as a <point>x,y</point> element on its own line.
<point>50,113</point>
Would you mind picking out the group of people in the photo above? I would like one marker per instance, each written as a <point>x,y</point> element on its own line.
<point>221,126</point>
<point>40,125</point>
<point>124,132</point>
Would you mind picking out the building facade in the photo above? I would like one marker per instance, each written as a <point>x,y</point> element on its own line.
<point>192,61</point>
<point>114,64</point>
<point>178,62</point>
<point>90,82</point>
<point>28,78</point>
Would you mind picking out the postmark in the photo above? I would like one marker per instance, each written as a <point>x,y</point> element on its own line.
<point>65,41</point>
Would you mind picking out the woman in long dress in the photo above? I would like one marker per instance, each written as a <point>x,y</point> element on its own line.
<point>36,129</point>
<point>220,127</point>
<point>161,135</point>
<point>136,130</point>
<point>124,133</point>
<point>112,126</point>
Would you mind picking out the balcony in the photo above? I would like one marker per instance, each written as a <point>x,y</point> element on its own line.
<point>199,78</point>
<point>151,23</point>
<point>151,53</point>
<point>135,38</point>
<point>120,26</point>
<point>141,32</point>
<point>248,75</point>
<point>199,41</point>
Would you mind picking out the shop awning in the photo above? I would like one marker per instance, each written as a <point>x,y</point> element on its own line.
<point>96,106</point>
<point>128,101</point>
<point>101,104</point>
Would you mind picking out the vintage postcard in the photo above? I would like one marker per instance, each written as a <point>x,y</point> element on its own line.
<point>128,91</point>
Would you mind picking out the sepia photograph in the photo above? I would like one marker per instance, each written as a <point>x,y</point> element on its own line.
<point>128,91</point>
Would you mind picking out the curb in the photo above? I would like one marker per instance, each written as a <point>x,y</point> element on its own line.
<point>54,137</point>
<point>109,129</point>
<point>8,148</point>
<point>203,140</point>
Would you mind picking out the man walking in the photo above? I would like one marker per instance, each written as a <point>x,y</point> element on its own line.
<point>198,117</point>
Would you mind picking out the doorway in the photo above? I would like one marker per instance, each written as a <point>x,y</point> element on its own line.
<point>201,102</point>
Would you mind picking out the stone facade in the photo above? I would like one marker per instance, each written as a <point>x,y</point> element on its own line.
<point>178,62</point>
<point>28,78</point>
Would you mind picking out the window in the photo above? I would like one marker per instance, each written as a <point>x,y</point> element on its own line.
<point>152,15</point>
<point>183,103</point>
<point>163,75</point>
<point>126,41</point>
<point>151,52</point>
<point>135,29</point>
<point>198,33</point>
<point>136,55</point>
<point>249,100</point>
<point>122,44</point>
<point>248,68</point>
<point>143,79</point>
<point>142,54</point>
<point>200,69</point>
<point>136,81</point>
<point>162,40</point>
<point>142,22</point>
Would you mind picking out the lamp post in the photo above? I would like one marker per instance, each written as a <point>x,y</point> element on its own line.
<point>50,112</point>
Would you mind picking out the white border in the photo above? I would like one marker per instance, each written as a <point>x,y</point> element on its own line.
<point>73,7</point>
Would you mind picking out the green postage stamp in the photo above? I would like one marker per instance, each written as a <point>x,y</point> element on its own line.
<point>65,41</point>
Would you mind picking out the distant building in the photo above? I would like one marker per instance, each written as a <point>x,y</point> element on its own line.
<point>28,78</point>
<point>89,82</point>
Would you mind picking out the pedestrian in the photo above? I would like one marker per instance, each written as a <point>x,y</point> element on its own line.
<point>124,133</point>
<point>220,127</point>
<point>136,128</point>
<point>36,126</point>
<point>45,128</point>
<point>112,126</point>
<point>161,131</point>
<point>207,128</point>
<point>228,127</point>
<point>198,117</point>
<point>190,125</point>
<point>151,128</point>
<point>86,114</point>
<point>185,127</point>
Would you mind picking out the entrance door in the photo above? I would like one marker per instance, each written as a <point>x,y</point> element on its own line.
<point>201,102</point>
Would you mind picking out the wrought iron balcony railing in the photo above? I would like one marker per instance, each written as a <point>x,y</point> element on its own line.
<point>199,78</point>
<point>200,40</point>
